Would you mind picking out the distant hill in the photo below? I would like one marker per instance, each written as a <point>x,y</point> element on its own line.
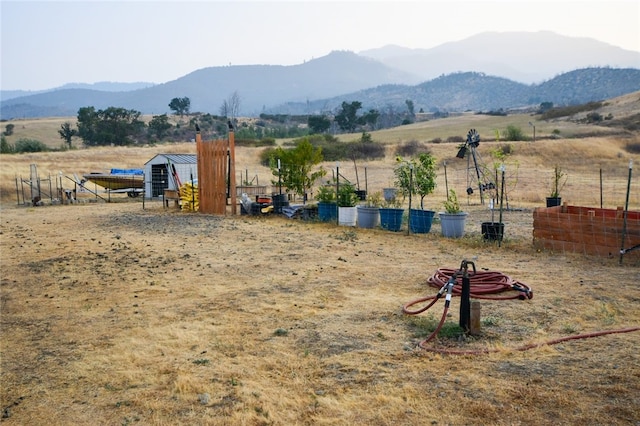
<point>526,57</point>
<point>105,86</point>
<point>259,87</point>
<point>472,91</point>
<point>460,80</point>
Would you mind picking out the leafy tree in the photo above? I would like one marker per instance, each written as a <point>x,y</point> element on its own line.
<point>318,123</point>
<point>8,129</point>
<point>370,118</point>
<point>544,107</point>
<point>5,147</point>
<point>112,126</point>
<point>159,126</point>
<point>67,133</point>
<point>347,118</point>
<point>296,166</point>
<point>180,106</point>
<point>424,176</point>
<point>410,107</point>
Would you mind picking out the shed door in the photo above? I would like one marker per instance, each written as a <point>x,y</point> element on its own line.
<point>159,179</point>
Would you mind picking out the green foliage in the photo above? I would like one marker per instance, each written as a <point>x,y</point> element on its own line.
<point>180,106</point>
<point>318,123</point>
<point>29,145</point>
<point>112,126</point>
<point>346,118</point>
<point>67,133</point>
<point>558,181</point>
<point>5,146</point>
<point>594,117</point>
<point>326,194</point>
<point>374,200</point>
<point>296,166</point>
<point>159,126</point>
<point>416,176</point>
<point>452,205</point>
<point>514,133</point>
<point>8,129</point>
<point>544,107</point>
<point>347,195</point>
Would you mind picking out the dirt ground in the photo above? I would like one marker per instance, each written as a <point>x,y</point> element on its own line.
<point>115,314</point>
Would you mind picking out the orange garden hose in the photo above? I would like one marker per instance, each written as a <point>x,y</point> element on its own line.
<point>484,285</point>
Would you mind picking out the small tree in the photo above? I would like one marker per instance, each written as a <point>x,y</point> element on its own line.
<point>180,106</point>
<point>159,126</point>
<point>8,129</point>
<point>231,107</point>
<point>423,181</point>
<point>67,133</point>
<point>296,167</point>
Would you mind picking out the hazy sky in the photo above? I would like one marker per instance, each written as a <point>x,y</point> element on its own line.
<point>46,44</point>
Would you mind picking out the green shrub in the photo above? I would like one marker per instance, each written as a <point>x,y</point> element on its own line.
<point>514,133</point>
<point>5,147</point>
<point>30,145</point>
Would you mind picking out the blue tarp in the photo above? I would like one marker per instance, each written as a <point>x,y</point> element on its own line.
<point>127,171</point>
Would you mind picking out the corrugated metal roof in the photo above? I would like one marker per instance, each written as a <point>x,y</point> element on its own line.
<point>176,158</point>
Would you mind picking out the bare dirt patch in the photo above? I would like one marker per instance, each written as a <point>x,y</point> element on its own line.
<point>112,314</point>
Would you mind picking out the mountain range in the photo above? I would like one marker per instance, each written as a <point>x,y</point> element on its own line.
<point>484,72</point>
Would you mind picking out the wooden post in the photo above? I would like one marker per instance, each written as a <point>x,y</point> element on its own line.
<point>232,172</point>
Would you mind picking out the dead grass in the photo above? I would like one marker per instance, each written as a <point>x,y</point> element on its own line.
<point>126,315</point>
<point>115,314</point>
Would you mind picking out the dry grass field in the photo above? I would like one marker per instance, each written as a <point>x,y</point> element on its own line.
<point>119,314</point>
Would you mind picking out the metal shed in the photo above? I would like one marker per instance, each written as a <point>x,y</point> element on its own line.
<point>159,176</point>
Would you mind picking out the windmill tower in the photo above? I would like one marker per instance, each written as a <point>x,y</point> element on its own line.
<point>477,171</point>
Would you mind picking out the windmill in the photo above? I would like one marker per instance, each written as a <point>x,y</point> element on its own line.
<point>484,181</point>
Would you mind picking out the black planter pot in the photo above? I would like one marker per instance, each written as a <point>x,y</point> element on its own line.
<point>492,231</point>
<point>554,201</point>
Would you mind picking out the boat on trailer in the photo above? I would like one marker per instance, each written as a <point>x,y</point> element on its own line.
<point>130,181</point>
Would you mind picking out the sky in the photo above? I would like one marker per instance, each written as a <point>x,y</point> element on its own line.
<point>46,44</point>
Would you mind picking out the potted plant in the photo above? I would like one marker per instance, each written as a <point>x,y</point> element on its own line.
<point>369,212</point>
<point>327,206</point>
<point>417,176</point>
<point>391,214</point>
<point>452,219</point>
<point>347,200</point>
<point>559,179</point>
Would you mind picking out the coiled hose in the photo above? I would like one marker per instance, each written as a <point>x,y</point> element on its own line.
<point>484,285</point>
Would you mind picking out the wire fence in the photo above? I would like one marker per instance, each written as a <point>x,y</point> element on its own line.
<point>595,187</point>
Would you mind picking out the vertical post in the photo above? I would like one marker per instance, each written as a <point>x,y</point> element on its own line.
<point>410,191</point>
<point>626,212</point>
<point>366,182</point>
<point>601,204</point>
<point>279,179</point>
<point>446,181</point>
<point>465,304</point>
<point>337,193</point>
<point>232,171</point>
<point>502,168</point>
